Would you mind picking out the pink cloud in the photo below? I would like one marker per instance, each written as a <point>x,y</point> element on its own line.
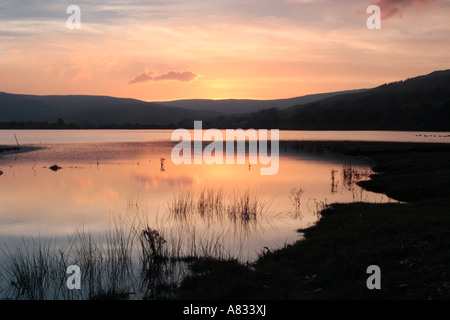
<point>184,76</point>
<point>394,8</point>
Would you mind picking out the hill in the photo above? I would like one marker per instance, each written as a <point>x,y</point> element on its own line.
<point>82,111</point>
<point>243,106</point>
<point>91,111</point>
<point>420,103</point>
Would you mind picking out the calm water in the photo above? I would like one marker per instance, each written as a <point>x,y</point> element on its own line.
<point>106,174</point>
<point>79,136</point>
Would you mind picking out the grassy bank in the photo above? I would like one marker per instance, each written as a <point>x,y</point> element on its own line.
<point>409,241</point>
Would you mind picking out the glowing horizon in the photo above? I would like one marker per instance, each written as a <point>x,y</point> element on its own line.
<point>171,50</point>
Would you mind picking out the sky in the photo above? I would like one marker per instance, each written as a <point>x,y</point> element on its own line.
<point>166,50</point>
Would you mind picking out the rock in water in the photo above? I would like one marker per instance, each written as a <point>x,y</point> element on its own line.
<point>55,167</point>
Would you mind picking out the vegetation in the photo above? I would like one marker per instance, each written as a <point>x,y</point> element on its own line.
<point>243,209</point>
<point>61,125</point>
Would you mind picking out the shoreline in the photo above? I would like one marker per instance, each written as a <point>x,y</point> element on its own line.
<point>6,149</point>
<point>408,241</point>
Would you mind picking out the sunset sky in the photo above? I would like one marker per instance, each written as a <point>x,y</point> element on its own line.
<point>180,49</point>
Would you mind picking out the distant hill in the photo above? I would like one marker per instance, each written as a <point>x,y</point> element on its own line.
<point>80,111</point>
<point>243,106</point>
<point>92,111</point>
<point>420,103</point>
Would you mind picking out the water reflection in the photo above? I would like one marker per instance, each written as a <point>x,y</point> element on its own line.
<point>55,188</point>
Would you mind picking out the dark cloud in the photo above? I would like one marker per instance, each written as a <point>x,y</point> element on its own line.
<point>184,76</point>
<point>394,8</point>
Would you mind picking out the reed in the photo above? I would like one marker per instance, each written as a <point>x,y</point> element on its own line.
<point>295,196</point>
<point>351,176</point>
<point>215,205</point>
<point>35,269</point>
<point>110,268</point>
<point>135,259</point>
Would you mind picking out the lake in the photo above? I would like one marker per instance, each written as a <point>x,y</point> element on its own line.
<point>104,177</point>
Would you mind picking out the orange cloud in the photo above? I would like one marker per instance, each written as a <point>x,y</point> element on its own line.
<point>16,52</point>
